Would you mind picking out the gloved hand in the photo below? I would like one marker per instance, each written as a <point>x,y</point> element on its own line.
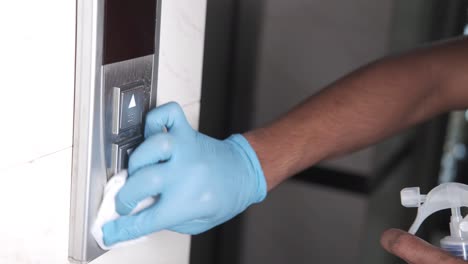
<point>202,181</point>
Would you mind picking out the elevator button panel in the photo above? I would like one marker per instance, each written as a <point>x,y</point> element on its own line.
<point>116,84</point>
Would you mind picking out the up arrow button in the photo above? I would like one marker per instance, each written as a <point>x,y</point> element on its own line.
<point>132,102</point>
<point>129,108</point>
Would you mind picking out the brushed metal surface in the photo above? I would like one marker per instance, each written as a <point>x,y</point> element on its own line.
<point>92,135</point>
<point>88,168</point>
<point>116,110</point>
<point>157,46</point>
<point>125,75</point>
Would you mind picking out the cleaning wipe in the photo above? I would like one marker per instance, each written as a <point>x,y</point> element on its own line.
<point>108,213</point>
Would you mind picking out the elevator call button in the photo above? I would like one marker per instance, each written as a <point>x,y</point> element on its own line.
<point>121,152</point>
<point>129,106</point>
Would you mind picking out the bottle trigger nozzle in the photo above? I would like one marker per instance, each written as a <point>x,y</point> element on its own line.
<point>445,196</point>
<point>411,197</point>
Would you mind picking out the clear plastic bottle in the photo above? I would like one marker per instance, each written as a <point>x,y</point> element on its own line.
<point>456,247</point>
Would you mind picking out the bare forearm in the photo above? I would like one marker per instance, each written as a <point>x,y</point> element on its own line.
<point>362,108</point>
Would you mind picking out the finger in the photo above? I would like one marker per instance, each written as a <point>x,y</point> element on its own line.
<point>153,150</point>
<point>160,216</point>
<point>169,116</point>
<point>147,182</point>
<point>414,250</point>
<point>131,227</point>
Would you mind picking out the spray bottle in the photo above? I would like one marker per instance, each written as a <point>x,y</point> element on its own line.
<point>445,196</point>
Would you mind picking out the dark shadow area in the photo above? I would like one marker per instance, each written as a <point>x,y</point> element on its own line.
<point>264,57</point>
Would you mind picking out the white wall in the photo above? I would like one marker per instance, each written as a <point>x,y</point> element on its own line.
<point>37,74</point>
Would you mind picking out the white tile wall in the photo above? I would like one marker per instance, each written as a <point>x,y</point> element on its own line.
<point>161,248</point>
<point>192,112</point>
<point>36,78</point>
<point>181,51</point>
<point>35,206</point>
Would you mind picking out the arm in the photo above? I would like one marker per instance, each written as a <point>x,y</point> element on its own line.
<point>364,107</point>
<point>203,182</point>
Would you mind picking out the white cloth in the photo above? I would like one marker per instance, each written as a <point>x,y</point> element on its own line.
<point>108,213</point>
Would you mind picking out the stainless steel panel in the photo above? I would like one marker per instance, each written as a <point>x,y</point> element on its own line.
<point>116,111</point>
<point>88,169</point>
<point>126,75</point>
<point>93,137</point>
<point>155,67</point>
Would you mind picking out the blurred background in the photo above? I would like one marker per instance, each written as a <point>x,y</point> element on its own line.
<point>264,57</point>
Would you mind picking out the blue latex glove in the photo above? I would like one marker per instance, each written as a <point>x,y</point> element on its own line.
<point>202,181</point>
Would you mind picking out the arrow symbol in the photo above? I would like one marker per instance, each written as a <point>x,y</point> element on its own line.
<point>132,102</point>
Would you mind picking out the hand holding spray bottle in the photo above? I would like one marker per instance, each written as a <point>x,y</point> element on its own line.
<point>445,196</point>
